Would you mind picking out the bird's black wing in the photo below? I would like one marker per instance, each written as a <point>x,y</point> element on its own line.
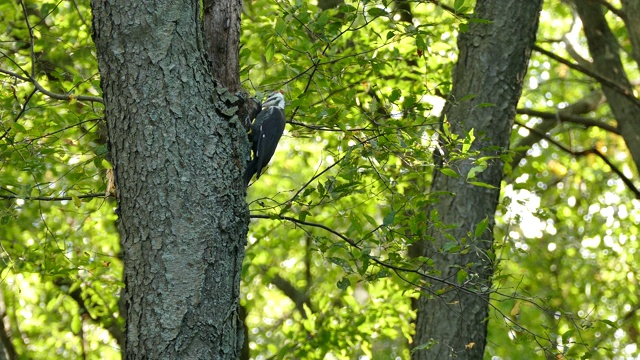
<point>271,129</point>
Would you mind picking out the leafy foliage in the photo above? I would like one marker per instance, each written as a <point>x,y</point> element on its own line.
<point>60,275</point>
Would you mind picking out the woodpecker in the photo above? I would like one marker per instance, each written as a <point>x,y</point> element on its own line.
<point>265,133</point>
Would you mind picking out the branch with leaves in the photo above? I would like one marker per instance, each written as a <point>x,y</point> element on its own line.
<point>40,88</point>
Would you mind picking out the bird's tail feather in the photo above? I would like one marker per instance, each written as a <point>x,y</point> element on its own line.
<point>251,169</point>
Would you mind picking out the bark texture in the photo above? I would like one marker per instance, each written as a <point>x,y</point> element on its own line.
<point>492,63</point>
<point>631,9</point>
<point>605,52</point>
<point>177,151</point>
<point>222,34</point>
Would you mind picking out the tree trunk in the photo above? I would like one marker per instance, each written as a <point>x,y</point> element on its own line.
<point>604,49</point>
<point>221,21</point>
<point>492,63</point>
<point>7,350</point>
<point>178,153</point>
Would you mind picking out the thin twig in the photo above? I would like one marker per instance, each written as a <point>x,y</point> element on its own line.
<point>52,198</point>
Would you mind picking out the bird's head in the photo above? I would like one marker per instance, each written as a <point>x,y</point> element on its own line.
<point>276,99</point>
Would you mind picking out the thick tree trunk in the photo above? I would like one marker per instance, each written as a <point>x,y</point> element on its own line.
<point>492,64</point>
<point>178,151</point>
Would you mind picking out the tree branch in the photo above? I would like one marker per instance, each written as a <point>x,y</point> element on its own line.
<point>109,322</point>
<point>602,79</point>
<point>51,198</point>
<point>298,297</point>
<point>382,263</point>
<point>587,122</point>
<point>66,97</point>
<point>592,151</point>
<point>23,109</point>
<point>621,14</point>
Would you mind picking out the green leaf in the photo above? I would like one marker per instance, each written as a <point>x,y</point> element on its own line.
<point>388,219</point>
<point>379,275</point>
<point>46,8</point>
<point>480,21</point>
<point>309,325</point>
<point>425,346</point>
<point>482,184</point>
<point>303,215</point>
<point>468,97</point>
<point>104,164</point>
<point>476,170</point>
<point>280,25</point>
<point>344,264</point>
<point>420,43</point>
<point>451,246</point>
<point>395,95</point>
<point>76,324</point>
<point>370,220</point>
<point>269,51</point>
<point>366,261</point>
<point>466,145</point>
<point>322,20</point>
<point>481,227</point>
<point>376,12</point>
<point>344,283</point>
<point>567,335</point>
<point>587,355</point>
<point>18,128</point>
<point>76,201</point>
<point>449,172</point>
<point>462,276</point>
<point>610,323</point>
<point>446,128</point>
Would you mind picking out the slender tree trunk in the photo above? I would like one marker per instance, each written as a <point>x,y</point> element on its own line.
<point>492,63</point>
<point>7,350</point>
<point>178,154</point>
<point>605,51</point>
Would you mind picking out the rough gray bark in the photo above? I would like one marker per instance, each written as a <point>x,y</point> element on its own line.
<point>631,9</point>
<point>178,153</point>
<point>605,51</point>
<point>492,63</point>
<point>222,33</point>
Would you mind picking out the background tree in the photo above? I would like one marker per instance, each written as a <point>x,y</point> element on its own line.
<point>327,272</point>
<point>492,62</point>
